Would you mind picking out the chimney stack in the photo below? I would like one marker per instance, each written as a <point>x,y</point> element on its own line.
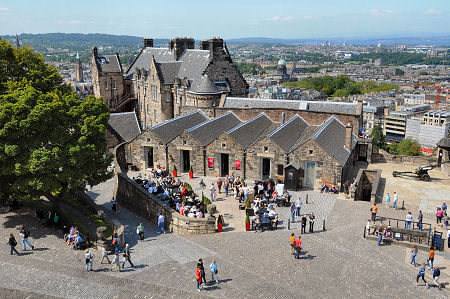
<point>147,43</point>
<point>348,136</point>
<point>179,44</point>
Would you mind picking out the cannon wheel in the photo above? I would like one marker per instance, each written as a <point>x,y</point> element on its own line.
<point>425,177</point>
<point>394,173</point>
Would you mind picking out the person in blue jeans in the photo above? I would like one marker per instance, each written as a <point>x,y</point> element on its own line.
<point>419,220</point>
<point>13,243</point>
<point>25,234</point>
<point>161,224</point>
<point>127,256</point>
<point>414,252</point>
<point>293,212</point>
<point>380,232</point>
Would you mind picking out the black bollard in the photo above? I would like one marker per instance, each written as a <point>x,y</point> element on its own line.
<point>307,198</point>
<point>403,205</point>
<point>289,224</point>
<point>324,224</point>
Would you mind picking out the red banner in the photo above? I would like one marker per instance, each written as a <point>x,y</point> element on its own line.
<point>211,162</point>
<point>237,164</point>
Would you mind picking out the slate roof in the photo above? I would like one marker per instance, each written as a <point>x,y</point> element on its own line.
<point>168,70</point>
<point>209,130</point>
<point>125,124</point>
<point>287,134</point>
<point>109,63</point>
<point>144,59</point>
<point>331,137</point>
<point>246,133</point>
<point>318,106</point>
<point>171,128</point>
<point>204,85</point>
<point>307,135</point>
<point>194,63</point>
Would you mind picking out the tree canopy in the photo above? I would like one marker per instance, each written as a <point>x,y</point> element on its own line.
<point>407,147</point>
<point>50,140</point>
<point>379,140</point>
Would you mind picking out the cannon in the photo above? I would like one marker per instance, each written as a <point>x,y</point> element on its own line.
<point>421,172</point>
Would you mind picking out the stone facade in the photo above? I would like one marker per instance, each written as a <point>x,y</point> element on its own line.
<point>224,145</point>
<point>139,150</point>
<point>185,142</point>
<point>264,148</point>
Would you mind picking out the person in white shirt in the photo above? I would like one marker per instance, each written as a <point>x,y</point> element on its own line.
<point>409,218</point>
<point>394,205</point>
<point>298,206</point>
<point>212,189</point>
<point>161,223</point>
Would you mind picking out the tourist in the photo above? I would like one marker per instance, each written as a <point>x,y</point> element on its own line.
<point>414,252</point>
<point>198,277</point>
<point>444,207</point>
<point>113,204</point>
<point>89,261</point>
<point>298,247</point>
<point>140,231</point>
<point>292,243</point>
<point>226,185</point>
<point>55,221</point>
<point>387,200</point>
<point>293,212</point>
<point>202,269</point>
<point>214,271</point>
<point>395,203</point>
<point>77,242</point>
<point>445,218</point>
<point>182,209</point>
<point>245,191</point>
<point>374,210</point>
<point>346,189</point>
<point>212,189</point>
<point>419,220</point>
<point>421,274</point>
<point>436,275</point>
<point>24,234</point>
<point>105,255</point>
<point>12,243</point>
<point>235,191</point>
<point>430,259</point>
<point>311,222</point>
<point>298,206</point>
<point>116,262</point>
<point>448,238</point>
<point>380,232</point>
<point>219,184</point>
<point>126,256</point>
<point>260,188</point>
<point>408,220</point>
<point>303,230</point>
<point>161,224</point>
<point>368,225</point>
<point>439,215</point>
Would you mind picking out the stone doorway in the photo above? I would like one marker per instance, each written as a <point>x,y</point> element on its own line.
<point>149,158</point>
<point>185,160</point>
<point>265,168</point>
<point>224,164</point>
<point>310,174</point>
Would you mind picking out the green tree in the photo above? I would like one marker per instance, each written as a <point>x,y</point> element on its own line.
<point>51,142</point>
<point>407,147</point>
<point>379,140</point>
<point>399,72</point>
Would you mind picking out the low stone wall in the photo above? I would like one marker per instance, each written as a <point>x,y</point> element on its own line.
<point>133,197</point>
<point>384,157</point>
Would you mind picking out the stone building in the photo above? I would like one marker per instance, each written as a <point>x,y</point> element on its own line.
<point>257,149</point>
<point>160,81</point>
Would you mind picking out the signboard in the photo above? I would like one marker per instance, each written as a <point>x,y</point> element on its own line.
<point>211,162</point>
<point>237,164</point>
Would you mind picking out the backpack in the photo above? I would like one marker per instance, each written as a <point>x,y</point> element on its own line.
<point>14,243</point>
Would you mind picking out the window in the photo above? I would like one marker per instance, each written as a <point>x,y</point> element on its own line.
<point>115,84</point>
<point>266,149</point>
<point>280,169</point>
<point>310,152</point>
<point>184,142</point>
<point>224,145</point>
<point>106,85</point>
<point>155,116</point>
<point>154,93</point>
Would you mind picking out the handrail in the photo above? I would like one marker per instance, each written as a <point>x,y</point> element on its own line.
<point>403,220</point>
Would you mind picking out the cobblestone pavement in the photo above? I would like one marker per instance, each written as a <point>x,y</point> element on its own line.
<point>336,263</point>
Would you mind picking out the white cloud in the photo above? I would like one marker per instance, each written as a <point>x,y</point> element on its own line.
<point>74,22</point>
<point>4,8</point>
<point>382,12</point>
<point>288,19</point>
<point>433,11</point>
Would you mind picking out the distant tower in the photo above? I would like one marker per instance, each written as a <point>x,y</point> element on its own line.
<point>78,70</point>
<point>17,42</point>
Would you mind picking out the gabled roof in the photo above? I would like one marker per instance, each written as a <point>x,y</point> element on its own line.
<point>171,128</point>
<point>194,63</point>
<point>109,63</point>
<point>287,134</point>
<point>144,59</point>
<point>331,137</point>
<point>246,133</point>
<point>125,124</point>
<point>168,70</point>
<point>207,131</point>
<point>204,85</point>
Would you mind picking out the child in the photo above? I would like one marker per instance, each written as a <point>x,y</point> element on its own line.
<point>116,263</point>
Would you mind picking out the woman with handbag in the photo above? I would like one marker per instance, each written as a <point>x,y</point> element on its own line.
<point>198,278</point>
<point>13,243</point>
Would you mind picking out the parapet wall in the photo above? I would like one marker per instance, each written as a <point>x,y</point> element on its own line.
<point>384,157</point>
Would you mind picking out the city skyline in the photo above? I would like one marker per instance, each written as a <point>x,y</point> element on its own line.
<point>267,18</point>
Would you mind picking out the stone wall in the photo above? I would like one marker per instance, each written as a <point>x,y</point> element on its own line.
<point>136,148</point>
<point>224,145</point>
<point>135,198</point>
<point>384,157</point>
<point>264,148</point>
<point>184,141</point>
<point>120,160</point>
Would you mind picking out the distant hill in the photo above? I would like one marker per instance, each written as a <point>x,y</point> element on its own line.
<point>78,41</point>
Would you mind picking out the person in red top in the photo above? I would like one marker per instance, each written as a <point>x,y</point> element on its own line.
<point>298,247</point>
<point>183,191</point>
<point>198,278</point>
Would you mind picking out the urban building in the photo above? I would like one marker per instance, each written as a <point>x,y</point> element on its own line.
<point>394,125</point>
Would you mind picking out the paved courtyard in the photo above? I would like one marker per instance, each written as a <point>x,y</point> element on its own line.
<point>337,263</point>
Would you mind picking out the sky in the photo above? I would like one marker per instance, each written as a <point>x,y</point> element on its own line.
<point>229,18</point>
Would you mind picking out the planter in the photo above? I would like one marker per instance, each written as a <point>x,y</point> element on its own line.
<point>247,226</point>
<point>191,174</point>
<point>219,227</point>
<point>174,173</point>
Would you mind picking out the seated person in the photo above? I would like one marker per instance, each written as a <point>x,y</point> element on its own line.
<point>199,214</point>
<point>77,242</point>
<point>191,214</point>
<point>324,188</point>
<point>183,191</point>
<point>177,206</point>
<point>332,189</point>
